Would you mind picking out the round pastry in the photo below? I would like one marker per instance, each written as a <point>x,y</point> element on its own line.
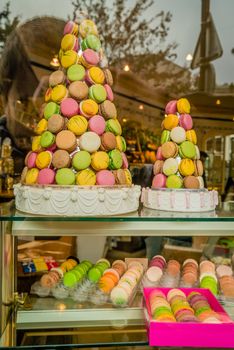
<point>66,140</point>
<point>86,177</point>
<point>78,90</point>
<point>65,176</point>
<point>90,142</point>
<point>105,178</point>
<point>56,123</point>
<point>81,160</point>
<point>97,124</point>
<point>77,124</point>
<point>113,126</point>
<point>100,160</point>
<point>108,141</point>
<point>61,159</point>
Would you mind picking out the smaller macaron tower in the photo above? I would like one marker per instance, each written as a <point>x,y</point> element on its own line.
<point>226,281</point>
<point>189,274</point>
<point>208,277</point>
<point>178,163</point>
<point>123,293</point>
<point>171,276</point>
<point>154,272</point>
<point>79,138</point>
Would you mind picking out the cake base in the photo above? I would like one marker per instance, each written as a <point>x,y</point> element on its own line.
<point>76,200</point>
<point>181,200</point>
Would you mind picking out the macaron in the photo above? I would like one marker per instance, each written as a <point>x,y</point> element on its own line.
<point>90,58</point>
<point>115,159</point>
<point>95,75</point>
<point>198,166</point>
<point>169,150</point>
<point>171,107</point>
<point>109,93</point>
<point>69,42</point>
<point>108,141</point>
<point>69,107</point>
<point>108,110</point>
<point>43,160</point>
<point>170,121</point>
<point>159,181</point>
<point>36,144</point>
<point>41,126</point>
<point>88,27</point>
<point>58,93</point>
<point>186,167</point>
<point>94,274</point>
<point>86,177</point>
<point>125,161</point>
<point>56,123</point>
<point>170,166</point>
<point>186,121</point>
<point>121,143</point>
<point>56,78</point>
<point>191,182</point>
<point>88,108</point>
<point>191,136</point>
<point>50,109</point>
<point>178,134</point>
<point>76,72</point>
<point>66,140</point>
<point>46,177</point>
<point>81,160</point>
<point>108,76</point>
<point>77,124</point>
<point>68,58</point>
<point>71,27</point>
<point>105,178</point>
<point>113,125</point>
<point>100,160</point>
<point>65,176</point>
<point>97,124</point>
<point>159,155</point>
<point>174,181</point>
<point>158,167</point>
<point>61,159</point>
<point>78,90</point>
<point>187,150</point>
<point>165,136</point>
<point>183,106</point>
<point>47,139</point>
<point>91,41</point>
<point>97,93</point>
<point>90,142</point>
<point>30,159</point>
<point>31,176</point>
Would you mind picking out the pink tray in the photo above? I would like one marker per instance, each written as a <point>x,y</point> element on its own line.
<point>190,334</point>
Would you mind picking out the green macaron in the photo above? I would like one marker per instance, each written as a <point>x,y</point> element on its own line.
<point>87,263</point>
<point>76,72</point>
<point>165,136</point>
<point>113,125</point>
<point>94,274</point>
<point>187,150</point>
<point>174,181</point>
<point>81,160</point>
<point>97,92</point>
<point>47,139</point>
<point>50,109</point>
<point>91,42</point>
<point>116,159</point>
<point>69,279</point>
<point>65,176</point>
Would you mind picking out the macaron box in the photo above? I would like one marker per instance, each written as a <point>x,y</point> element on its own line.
<point>216,331</point>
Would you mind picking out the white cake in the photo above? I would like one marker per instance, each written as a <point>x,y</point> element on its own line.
<point>181,200</point>
<point>76,200</point>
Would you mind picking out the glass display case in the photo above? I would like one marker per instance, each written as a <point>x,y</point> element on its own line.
<point>29,321</point>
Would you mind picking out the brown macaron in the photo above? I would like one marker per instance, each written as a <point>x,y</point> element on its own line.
<point>108,76</point>
<point>120,177</point>
<point>108,110</point>
<point>56,123</point>
<point>198,168</point>
<point>61,159</point>
<point>191,182</point>
<point>66,140</point>
<point>56,78</point>
<point>108,141</point>
<point>23,175</point>
<point>158,167</point>
<point>78,90</point>
<point>169,149</point>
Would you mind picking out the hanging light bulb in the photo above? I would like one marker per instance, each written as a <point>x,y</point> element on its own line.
<point>126,68</point>
<point>141,107</point>
<point>55,62</point>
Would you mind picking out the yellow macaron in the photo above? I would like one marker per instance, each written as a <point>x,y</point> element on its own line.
<point>43,160</point>
<point>191,136</point>
<point>68,42</point>
<point>100,160</point>
<point>48,94</point>
<point>77,124</point>
<point>88,27</point>
<point>128,177</point>
<point>89,107</point>
<point>96,75</point>
<point>186,167</point>
<point>68,58</point>
<point>86,177</point>
<point>36,144</point>
<point>31,176</point>
<point>58,93</point>
<point>183,106</point>
<point>170,121</point>
<point>41,126</point>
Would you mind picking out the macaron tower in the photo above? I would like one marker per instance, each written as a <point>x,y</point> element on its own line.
<point>79,136</point>
<point>178,163</point>
<point>178,169</point>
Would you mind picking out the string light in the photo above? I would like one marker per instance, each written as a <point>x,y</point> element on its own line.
<point>55,62</point>
<point>126,68</point>
<point>189,57</point>
<point>141,107</point>
<point>124,120</point>
<point>218,102</point>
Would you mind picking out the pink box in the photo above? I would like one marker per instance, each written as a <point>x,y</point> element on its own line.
<point>207,335</point>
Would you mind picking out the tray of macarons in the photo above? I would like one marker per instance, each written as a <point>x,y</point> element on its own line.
<point>100,283</point>
<point>186,317</point>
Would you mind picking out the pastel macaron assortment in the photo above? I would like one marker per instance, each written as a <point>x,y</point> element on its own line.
<point>178,164</point>
<point>79,138</point>
<point>208,277</point>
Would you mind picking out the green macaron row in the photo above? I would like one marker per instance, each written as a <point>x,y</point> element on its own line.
<point>96,272</point>
<point>76,275</point>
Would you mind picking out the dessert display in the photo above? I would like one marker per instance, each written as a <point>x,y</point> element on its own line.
<point>178,184</point>
<point>77,165</point>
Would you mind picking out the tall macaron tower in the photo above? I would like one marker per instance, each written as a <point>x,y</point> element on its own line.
<point>178,183</point>
<point>77,165</point>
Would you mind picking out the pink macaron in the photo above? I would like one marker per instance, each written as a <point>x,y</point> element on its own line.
<point>105,178</point>
<point>70,28</point>
<point>31,160</point>
<point>97,124</point>
<point>91,57</point>
<point>109,92</point>
<point>125,161</point>
<point>52,148</point>
<point>46,177</point>
<point>69,107</point>
<point>159,181</point>
<point>186,121</point>
<point>171,107</point>
<point>159,155</point>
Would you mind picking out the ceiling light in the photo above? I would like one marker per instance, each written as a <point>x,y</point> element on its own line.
<point>126,68</point>
<point>124,120</point>
<point>141,107</point>
<point>55,62</point>
<point>189,57</point>
<point>218,102</point>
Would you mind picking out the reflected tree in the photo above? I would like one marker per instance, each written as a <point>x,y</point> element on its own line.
<point>6,24</point>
